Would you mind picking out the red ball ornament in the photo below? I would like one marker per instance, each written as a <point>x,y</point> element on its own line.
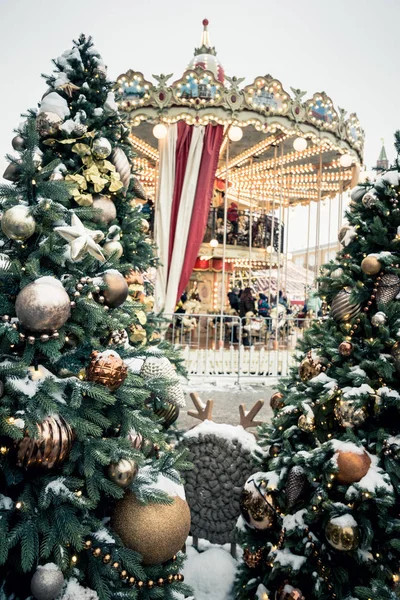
<point>345,348</point>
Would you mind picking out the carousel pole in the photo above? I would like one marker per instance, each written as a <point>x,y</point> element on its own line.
<point>221,325</point>
<point>278,270</point>
<point>287,221</point>
<point>251,222</point>
<point>317,232</point>
<point>329,226</point>
<point>308,245</point>
<point>272,231</point>
<point>340,201</point>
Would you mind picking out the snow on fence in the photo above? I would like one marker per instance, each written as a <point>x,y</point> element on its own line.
<point>226,345</point>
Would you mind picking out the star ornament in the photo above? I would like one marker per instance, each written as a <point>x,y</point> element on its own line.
<point>82,241</point>
<point>69,88</point>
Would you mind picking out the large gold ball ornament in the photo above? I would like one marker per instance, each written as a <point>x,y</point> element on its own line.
<point>311,366</point>
<point>287,592</point>
<point>17,223</point>
<point>117,289</point>
<point>49,449</point>
<point>352,466</point>
<point>48,123</point>
<point>156,531</point>
<point>342,308</point>
<point>105,209</point>
<point>101,148</point>
<point>43,305</point>
<point>370,265</point>
<point>276,401</point>
<point>257,505</point>
<point>342,533</point>
<point>123,472</point>
<point>107,368</point>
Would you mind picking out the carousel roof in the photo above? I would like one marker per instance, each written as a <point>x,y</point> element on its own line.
<point>263,166</point>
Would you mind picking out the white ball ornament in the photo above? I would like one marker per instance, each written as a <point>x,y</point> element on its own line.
<point>114,247</point>
<point>43,305</point>
<point>107,209</point>
<point>47,582</point>
<point>17,223</point>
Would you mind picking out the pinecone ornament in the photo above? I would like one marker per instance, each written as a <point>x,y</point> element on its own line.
<point>295,485</point>
<point>138,189</point>
<point>388,289</point>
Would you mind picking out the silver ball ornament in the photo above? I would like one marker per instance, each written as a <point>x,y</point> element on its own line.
<point>336,273</point>
<point>342,309</point>
<point>17,223</point>
<point>47,582</point>
<point>123,472</point>
<point>43,305</point>
<point>106,209</point>
<point>48,123</point>
<point>113,247</point>
<point>12,173</point>
<point>18,143</point>
<point>101,148</point>
<point>378,319</point>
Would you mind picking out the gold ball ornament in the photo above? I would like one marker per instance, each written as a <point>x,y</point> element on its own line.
<point>288,592</point>
<point>342,308</point>
<point>276,401</point>
<point>253,559</point>
<point>145,225</point>
<point>257,506</point>
<point>117,290</point>
<point>113,248</point>
<point>342,533</point>
<point>49,449</point>
<point>101,148</point>
<point>306,423</point>
<point>311,366</point>
<point>43,305</point>
<point>17,223</point>
<point>123,473</point>
<point>370,265</point>
<point>352,466</point>
<point>348,415</point>
<point>106,211</point>
<point>345,348</point>
<point>107,368</point>
<point>156,531</point>
<point>48,123</point>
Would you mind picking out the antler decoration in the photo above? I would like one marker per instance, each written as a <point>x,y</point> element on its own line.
<point>246,419</point>
<point>204,413</point>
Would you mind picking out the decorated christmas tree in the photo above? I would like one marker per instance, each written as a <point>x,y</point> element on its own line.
<point>320,518</point>
<point>90,499</point>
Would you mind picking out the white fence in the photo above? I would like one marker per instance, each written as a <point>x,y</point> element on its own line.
<point>215,345</point>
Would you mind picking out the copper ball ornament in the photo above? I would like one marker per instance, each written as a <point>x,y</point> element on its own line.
<point>117,289</point>
<point>276,401</point>
<point>123,473</point>
<point>17,223</point>
<point>43,305</point>
<point>49,449</point>
<point>48,123</point>
<point>101,148</point>
<point>107,368</point>
<point>257,506</point>
<point>345,348</point>
<point>370,265</point>
<point>47,582</point>
<point>18,143</point>
<point>342,533</point>
<point>156,531</point>
<point>352,466</point>
<point>105,209</point>
<point>342,308</point>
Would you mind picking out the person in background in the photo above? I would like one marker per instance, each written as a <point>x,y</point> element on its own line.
<point>263,306</point>
<point>233,298</point>
<point>232,216</point>
<point>314,304</point>
<point>247,302</point>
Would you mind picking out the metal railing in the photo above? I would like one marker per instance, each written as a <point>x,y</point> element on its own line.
<point>215,345</point>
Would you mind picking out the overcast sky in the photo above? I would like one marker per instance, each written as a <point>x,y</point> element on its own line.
<point>347,48</point>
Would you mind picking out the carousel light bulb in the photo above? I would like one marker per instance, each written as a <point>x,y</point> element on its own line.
<point>235,133</point>
<point>160,131</point>
<point>300,144</point>
<point>346,160</point>
<point>213,243</point>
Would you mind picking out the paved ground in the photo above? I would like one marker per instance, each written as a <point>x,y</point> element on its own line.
<point>227,399</point>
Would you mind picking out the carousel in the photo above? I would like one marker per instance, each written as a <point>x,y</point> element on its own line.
<point>221,163</point>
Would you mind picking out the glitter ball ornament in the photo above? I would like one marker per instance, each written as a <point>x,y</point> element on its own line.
<point>43,305</point>
<point>295,486</point>
<point>342,308</point>
<point>306,423</point>
<point>352,466</point>
<point>123,472</point>
<point>370,265</point>
<point>345,348</point>
<point>47,582</point>
<point>48,123</point>
<point>348,414</point>
<point>257,506</point>
<point>49,449</point>
<point>156,531</point>
<point>122,166</point>
<point>378,319</point>
<point>342,533</point>
<point>388,289</point>
<point>101,148</point>
<point>17,223</point>
<point>253,559</point>
<point>370,199</point>
<point>107,368</point>
<point>311,366</point>
<point>106,211</point>
<point>276,401</point>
